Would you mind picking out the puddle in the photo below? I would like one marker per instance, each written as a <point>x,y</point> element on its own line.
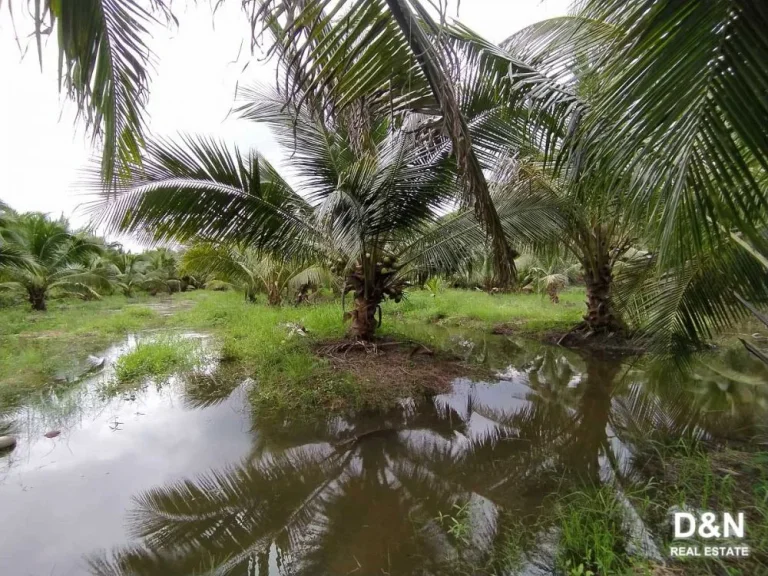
<point>177,478</point>
<point>66,495</point>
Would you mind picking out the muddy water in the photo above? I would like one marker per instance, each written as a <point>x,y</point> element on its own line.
<point>179,478</point>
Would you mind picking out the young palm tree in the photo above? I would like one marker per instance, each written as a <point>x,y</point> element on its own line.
<point>374,204</point>
<point>681,101</point>
<point>549,274</point>
<point>161,274</point>
<point>131,270</point>
<point>249,271</point>
<point>59,261</point>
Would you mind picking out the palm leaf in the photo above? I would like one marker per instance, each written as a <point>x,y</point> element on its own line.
<point>104,62</point>
<point>684,97</point>
<point>346,73</point>
<point>200,189</point>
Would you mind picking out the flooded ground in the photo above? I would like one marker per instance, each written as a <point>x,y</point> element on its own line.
<point>179,477</point>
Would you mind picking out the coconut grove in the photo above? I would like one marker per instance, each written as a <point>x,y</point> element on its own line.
<point>500,309</point>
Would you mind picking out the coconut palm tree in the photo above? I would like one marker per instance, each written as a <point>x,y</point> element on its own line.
<point>374,203</point>
<point>556,84</point>
<point>560,73</point>
<point>59,261</point>
<point>105,54</point>
<point>161,274</point>
<point>250,271</point>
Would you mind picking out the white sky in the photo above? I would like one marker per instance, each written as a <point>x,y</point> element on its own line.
<point>42,153</point>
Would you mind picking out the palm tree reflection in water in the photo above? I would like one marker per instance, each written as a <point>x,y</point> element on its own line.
<point>364,494</point>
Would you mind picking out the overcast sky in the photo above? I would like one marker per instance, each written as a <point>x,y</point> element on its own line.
<point>42,153</point>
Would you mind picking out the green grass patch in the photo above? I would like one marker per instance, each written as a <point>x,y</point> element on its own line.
<point>592,533</point>
<point>156,359</point>
<point>43,350</point>
<point>527,313</point>
<point>36,347</point>
<point>694,475</point>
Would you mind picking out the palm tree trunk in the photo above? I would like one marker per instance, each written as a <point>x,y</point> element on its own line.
<point>598,277</point>
<point>37,298</point>
<point>600,316</point>
<point>364,318</point>
<point>273,296</point>
<point>456,125</point>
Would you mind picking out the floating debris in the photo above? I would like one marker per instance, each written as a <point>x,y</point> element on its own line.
<point>52,433</point>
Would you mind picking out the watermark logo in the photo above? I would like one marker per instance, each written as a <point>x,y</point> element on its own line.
<point>709,526</point>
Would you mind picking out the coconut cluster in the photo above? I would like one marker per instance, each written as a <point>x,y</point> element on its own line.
<point>384,276</point>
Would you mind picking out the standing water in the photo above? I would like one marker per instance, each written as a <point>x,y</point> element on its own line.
<point>178,477</point>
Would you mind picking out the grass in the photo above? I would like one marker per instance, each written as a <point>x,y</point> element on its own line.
<point>530,314</point>
<point>592,534</point>
<point>36,347</point>
<point>694,475</point>
<point>39,348</point>
<point>456,524</point>
<point>156,359</point>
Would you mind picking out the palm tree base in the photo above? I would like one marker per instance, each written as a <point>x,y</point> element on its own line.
<point>388,370</point>
<point>37,300</point>
<point>616,341</point>
<point>364,323</point>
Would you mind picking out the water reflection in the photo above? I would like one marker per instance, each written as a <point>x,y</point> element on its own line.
<point>210,491</point>
<point>364,494</point>
<point>66,496</point>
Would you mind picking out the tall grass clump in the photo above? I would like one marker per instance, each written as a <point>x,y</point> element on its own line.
<point>157,358</point>
<point>593,538</point>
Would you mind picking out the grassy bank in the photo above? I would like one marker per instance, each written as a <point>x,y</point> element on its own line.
<point>39,350</point>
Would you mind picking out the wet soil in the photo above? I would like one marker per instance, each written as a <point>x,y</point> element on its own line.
<point>402,369</point>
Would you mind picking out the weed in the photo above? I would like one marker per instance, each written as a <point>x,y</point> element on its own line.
<point>457,523</point>
<point>592,534</point>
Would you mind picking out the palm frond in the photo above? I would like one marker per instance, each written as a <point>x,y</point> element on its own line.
<point>200,189</point>
<point>352,57</point>
<point>684,106</point>
<point>692,302</point>
<point>104,62</point>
